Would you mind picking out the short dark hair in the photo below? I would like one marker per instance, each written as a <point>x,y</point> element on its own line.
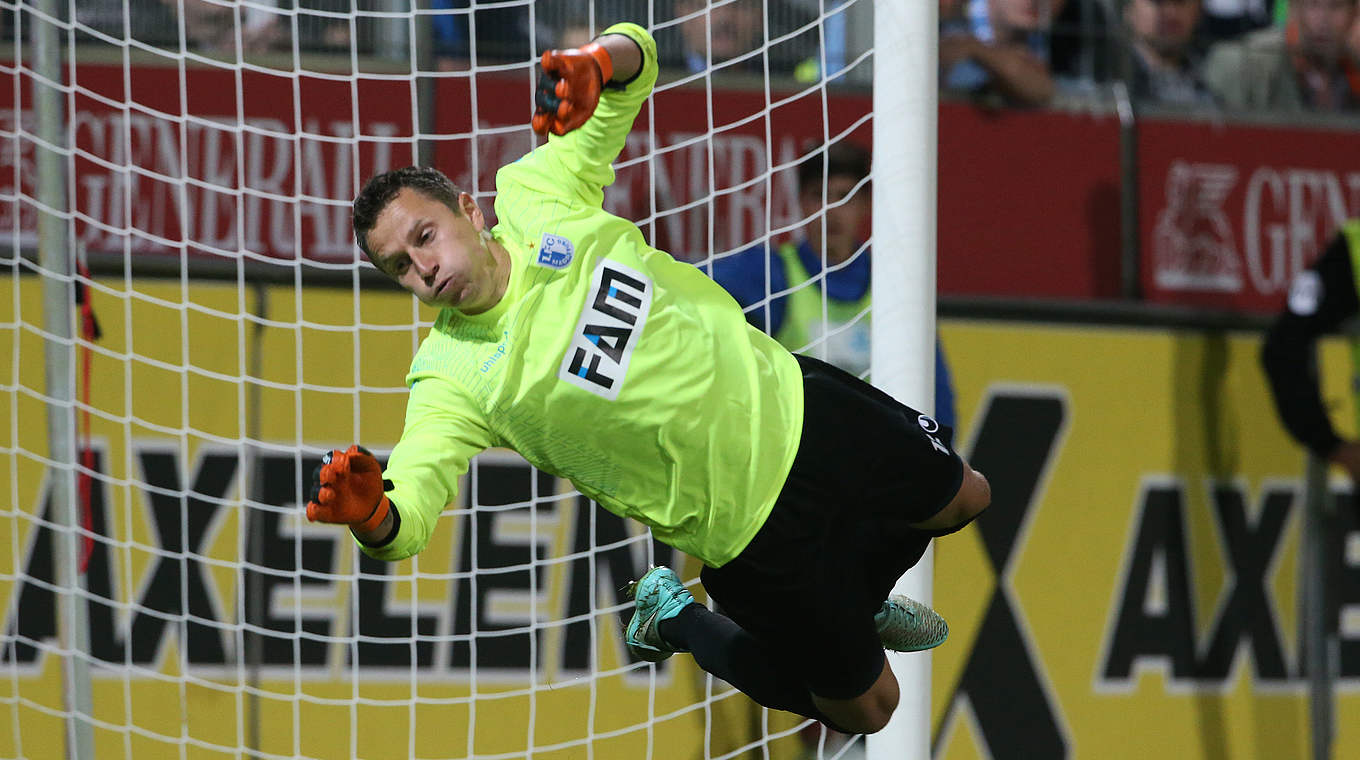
<point>380,191</point>
<point>843,158</point>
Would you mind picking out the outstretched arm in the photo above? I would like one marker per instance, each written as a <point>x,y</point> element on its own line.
<point>394,518</point>
<point>588,99</point>
<point>1017,73</point>
<point>572,80</point>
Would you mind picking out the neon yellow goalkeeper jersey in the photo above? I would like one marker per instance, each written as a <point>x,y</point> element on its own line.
<point>606,362</point>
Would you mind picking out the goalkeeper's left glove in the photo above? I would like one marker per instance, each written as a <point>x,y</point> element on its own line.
<point>569,88</point>
<point>348,488</point>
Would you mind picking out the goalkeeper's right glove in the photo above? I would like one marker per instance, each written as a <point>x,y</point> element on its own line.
<point>569,88</point>
<point>347,487</point>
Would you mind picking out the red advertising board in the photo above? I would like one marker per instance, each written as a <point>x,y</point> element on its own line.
<point>1228,215</point>
<point>265,165</point>
<point>1028,203</point>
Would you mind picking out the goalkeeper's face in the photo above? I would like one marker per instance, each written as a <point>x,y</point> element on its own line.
<point>439,254</point>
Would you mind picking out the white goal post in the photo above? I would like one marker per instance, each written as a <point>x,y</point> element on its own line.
<point>179,172</point>
<point>906,55</point>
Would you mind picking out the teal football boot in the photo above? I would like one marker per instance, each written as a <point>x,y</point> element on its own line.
<point>906,625</point>
<point>660,596</point>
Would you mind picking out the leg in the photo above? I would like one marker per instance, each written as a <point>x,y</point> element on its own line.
<point>728,651</point>
<point>974,495</point>
<point>893,546</point>
<point>798,591</point>
<point>723,648</point>
<point>869,712</point>
<point>795,639</point>
<point>668,620</point>
<point>893,463</point>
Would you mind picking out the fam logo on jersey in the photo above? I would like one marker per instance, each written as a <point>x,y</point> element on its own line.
<point>555,252</point>
<point>605,336</point>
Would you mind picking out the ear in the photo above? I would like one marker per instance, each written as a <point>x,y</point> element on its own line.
<point>472,211</point>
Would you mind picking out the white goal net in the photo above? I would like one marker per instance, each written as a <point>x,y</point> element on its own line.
<point>179,174</point>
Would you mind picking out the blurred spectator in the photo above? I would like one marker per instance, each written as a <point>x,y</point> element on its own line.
<point>738,31</point>
<point>318,29</point>
<point>823,286</point>
<point>568,23</point>
<point>148,21</point>
<point>1166,68</point>
<point>1230,19</point>
<point>211,27</point>
<point>1080,44</point>
<point>1000,46</point>
<point>1303,66</point>
<point>1353,41</point>
<point>502,34</point>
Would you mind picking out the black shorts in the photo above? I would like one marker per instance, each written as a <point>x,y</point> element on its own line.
<point>838,538</point>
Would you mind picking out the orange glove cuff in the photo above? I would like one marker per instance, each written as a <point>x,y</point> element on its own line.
<point>375,519</point>
<point>596,50</point>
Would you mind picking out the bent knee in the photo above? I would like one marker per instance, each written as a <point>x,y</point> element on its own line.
<point>868,718</point>
<point>869,712</point>
<point>874,721</point>
<point>975,495</point>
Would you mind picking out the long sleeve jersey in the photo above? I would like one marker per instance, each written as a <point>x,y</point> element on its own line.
<point>1320,299</point>
<point>606,362</point>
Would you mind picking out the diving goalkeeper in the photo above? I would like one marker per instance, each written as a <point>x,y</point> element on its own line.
<point>805,492</point>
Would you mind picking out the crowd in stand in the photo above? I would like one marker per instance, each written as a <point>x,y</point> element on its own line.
<point>1291,55</point>
<point>1278,55</point>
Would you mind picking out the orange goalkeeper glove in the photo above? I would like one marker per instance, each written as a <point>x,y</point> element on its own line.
<point>569,88</point>
<point>348,488</point>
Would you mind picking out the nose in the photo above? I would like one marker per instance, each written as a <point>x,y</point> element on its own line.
<point>426,267</point>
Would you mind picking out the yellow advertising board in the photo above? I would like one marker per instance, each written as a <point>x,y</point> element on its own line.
<point>1133,589</point>
<point>220,619</point>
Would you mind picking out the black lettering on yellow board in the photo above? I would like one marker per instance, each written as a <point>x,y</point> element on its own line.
<point>1155,620</point>
<point>292,564</point>
<point>486,567</point>
<point>605,560</point>
<point>1342,523</point>
<point>172,600</point>
<point>175,587</point>
<point>175,600</point>
<point>1155,624</point>
<point>1246,616</point>
<point>1003,679</point>
<point>32,618</point>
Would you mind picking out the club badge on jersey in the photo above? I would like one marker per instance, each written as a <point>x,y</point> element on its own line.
<point>555,252</point>
<point>607,332</point>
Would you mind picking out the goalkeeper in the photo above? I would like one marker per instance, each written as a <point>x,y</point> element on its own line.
<point>564,336</point>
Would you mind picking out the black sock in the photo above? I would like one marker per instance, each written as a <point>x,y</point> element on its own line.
<point>726,650</point>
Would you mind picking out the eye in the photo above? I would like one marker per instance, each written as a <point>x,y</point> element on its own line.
<point>426,236</point>
<point>401,265</point>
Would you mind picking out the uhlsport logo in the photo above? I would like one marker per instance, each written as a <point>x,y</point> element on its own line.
<point>613,317</point>
<point>555,252</point>
<point>931,427</point>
